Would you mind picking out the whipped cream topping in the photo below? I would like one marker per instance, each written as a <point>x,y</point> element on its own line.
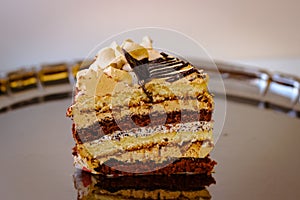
<point>110,66</point>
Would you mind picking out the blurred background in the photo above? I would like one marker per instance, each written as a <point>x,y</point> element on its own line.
<point>257,33</point>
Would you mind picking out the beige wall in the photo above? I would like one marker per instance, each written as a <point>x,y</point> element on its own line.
<point>37,31</point>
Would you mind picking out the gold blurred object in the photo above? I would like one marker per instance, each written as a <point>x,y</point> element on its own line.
<point>22,80</point>
<point>3,86</point>
<point>75,68</point>
<point>80,65</point>
<point>54,74</point>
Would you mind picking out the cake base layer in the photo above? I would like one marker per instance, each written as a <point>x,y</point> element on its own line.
<point>161,149</point>
<point>182,165</point>
<point>90,186</point>
<point>171,166</point>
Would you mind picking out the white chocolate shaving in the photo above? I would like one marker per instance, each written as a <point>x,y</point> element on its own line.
<point>126,67</point>
<point>116,48</point>
<point>105,57</point>
<point>147,42</point>
<point>137,51</point>
<point>111,61</point>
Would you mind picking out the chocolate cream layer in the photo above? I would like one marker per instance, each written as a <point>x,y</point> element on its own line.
<point>109,125</point>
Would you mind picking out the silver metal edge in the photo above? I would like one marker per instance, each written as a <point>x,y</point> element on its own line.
<point>269,90</point>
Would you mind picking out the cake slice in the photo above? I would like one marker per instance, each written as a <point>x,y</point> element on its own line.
<point>137,110</point>
<point>90,186</point>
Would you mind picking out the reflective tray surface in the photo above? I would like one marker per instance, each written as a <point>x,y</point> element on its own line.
<point>257,152</point>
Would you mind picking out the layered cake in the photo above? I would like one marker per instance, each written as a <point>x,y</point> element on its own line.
<point>91,186</point>
<point>138,110</point>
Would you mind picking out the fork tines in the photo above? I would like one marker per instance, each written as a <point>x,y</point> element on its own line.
<point>165,67</point>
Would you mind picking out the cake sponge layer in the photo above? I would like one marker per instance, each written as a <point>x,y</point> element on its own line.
<point>160,156</point>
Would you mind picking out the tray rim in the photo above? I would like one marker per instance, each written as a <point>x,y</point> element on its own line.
<point>241,74</point>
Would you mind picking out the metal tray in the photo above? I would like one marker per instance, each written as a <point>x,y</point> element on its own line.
<point>257,152</point>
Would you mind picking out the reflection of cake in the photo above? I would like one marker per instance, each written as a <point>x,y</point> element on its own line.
<point>138,110</point>
<point>90,186</point>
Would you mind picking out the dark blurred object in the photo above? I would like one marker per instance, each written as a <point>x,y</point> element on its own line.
<point>22,80</point>
<point>90,186</point>
<point>54,74</point>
